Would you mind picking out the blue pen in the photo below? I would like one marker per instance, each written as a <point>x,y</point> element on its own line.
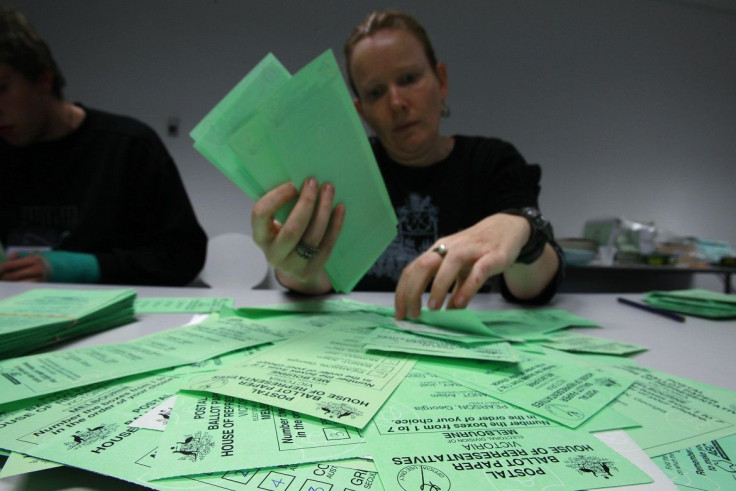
<point>653,310</point>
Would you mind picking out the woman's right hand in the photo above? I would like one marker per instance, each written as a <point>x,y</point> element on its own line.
<point>299,248</point>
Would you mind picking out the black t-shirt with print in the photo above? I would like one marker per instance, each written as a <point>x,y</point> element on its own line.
<point>480,177</point>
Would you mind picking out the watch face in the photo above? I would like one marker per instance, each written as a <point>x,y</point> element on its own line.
<point>534,215</point>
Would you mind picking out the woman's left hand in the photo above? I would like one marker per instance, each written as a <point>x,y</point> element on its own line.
<point>473,255</point>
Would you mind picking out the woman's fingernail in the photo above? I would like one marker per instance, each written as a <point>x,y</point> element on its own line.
<point>432,304</point>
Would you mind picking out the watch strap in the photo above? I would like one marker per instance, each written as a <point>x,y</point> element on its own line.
<point>541,233</point>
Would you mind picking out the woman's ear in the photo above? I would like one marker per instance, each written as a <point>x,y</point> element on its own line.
<point>441,72</point>
<point>358,107</point>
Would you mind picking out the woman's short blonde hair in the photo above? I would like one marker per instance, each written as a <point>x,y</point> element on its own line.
<point>386,19</point>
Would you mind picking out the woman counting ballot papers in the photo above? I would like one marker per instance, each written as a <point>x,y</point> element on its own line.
<point>467,205</point>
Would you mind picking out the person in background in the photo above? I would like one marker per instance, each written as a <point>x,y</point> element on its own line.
<point>467,206</point>
<point>85,196</point>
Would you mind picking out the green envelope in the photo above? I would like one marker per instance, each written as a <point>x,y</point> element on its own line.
<point>181,305</point>
<point>280,128</point>
<point>235,434</point>
<point>674,412</point>
<point>698,302</point>
<point>390,340</point>
<point>239,105</point>
<point>323,373</point>
<point>710,465</point>
<point>579,343</point>
<point>552,458</point>
<point>45,316</point>
<point>566,393</point>
<point>47,373</point>
<point>19,463</point>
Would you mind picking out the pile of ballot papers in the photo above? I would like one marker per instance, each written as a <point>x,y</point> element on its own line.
<point>697,302</point>
<point>274,128</point>
<point>41,317</point>
<point>337,394</point>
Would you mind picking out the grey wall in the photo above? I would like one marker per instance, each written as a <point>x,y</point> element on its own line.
<point>629,105</point>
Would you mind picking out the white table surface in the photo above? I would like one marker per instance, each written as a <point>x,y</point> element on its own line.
<point>698,349</point>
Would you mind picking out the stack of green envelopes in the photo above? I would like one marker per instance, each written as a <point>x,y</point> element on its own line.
<point>42,317</point>
<point>697,302</point>
<point>273,128</point>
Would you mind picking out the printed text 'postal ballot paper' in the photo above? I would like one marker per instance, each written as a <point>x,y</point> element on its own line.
<point>274,128</point>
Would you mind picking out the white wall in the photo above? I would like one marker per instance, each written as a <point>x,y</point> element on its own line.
<point>629,105</point>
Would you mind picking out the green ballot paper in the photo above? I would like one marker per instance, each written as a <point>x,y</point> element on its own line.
<point>279,128</point>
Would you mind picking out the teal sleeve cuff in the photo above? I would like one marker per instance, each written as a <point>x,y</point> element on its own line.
<point>72,267</point>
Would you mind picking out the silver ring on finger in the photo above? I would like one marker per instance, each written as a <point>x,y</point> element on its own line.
<point>441,250</point>
<point>305,251</point>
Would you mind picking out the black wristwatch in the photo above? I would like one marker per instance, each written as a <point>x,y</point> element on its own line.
<point>541,234</point>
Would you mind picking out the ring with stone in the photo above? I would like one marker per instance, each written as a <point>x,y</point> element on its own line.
<point>305,251</point>
<point>441,250</point>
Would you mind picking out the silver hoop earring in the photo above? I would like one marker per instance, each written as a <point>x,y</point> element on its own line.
<point>445,110</point>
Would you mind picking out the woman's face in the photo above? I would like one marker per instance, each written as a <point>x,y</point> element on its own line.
<point>400,95</point>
